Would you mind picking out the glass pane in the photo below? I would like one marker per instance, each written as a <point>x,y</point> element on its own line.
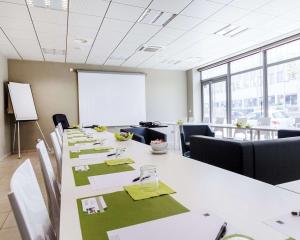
<point>286,51</point>
<point>247,96</point>
<point>246,63</point>
<point>206,117</point>
<point>214,72</point>
<point>284,94</point>
<point>218,91</point>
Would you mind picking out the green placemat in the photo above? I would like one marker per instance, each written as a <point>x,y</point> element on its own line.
<point>123,211</point>
<point>139,192</point>
<point>79,142</point>
<point>90,151</point>
<point>120,161</point>
<point>81,177</point>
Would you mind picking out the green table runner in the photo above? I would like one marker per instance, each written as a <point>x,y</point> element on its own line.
<point>70,143</point>
<point>90,151</point>
<point>81,177</point>
<point>123,211</point>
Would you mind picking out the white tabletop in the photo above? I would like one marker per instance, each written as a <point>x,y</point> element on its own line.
<point>293,186</point>
<point>239,200</point>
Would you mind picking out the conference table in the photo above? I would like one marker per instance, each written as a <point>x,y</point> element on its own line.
<point>244,203</point>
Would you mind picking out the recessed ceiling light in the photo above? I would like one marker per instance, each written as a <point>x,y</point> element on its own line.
<point>230,30</point>
<point>81,41</point>
<point>52,4</point>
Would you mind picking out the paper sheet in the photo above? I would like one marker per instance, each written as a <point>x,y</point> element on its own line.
<point>113,180</point>
<point>190,226</point>
<point>287,224</point>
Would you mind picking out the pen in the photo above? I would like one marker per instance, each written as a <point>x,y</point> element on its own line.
<point>222,231</point>
<point>112,154</point>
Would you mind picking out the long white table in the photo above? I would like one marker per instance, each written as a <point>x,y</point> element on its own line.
<point>293,186</point>
<point>239,200</point>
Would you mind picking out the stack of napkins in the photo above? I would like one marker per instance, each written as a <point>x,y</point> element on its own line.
<point>139,192</point>
<point>120,161</point>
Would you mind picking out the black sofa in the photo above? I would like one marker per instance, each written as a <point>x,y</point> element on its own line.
<point>186,131</point>
<point>272,161</point>
<point>286,133</point>
<point>145,135</point>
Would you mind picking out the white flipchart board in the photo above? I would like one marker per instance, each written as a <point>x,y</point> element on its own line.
<point>111,98</point>
<point>22,101</point>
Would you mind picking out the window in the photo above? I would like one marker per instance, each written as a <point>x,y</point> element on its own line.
<point>283,52</point>
<point>214,72</point>
<point>206,107</point>
<point>286,90</point>
<point>218,91</point>
<point>249,62</point>
<point>247,99</point>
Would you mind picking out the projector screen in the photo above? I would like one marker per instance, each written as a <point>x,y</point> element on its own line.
<point>111,98</point>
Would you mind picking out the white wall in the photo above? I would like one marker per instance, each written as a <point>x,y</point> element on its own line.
<point>193,95</point>
<point>5,144</point>
<point>54,90</point>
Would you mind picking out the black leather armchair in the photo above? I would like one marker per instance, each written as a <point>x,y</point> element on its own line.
<point>145,135</point>
<point>286,133</point>
<point>232,155</point>
<point>186,131</point>
<point>61,118</point>
<point>277,161</point>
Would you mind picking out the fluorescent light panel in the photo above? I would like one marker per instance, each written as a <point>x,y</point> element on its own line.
<point>52,4</point>
<point>155,17</point>
<point>230,30</point>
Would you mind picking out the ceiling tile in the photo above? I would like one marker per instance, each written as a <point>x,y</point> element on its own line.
<point>22,2</point>
<point>138,3</point>
<point>124,12</point>
<point>254,19</point>
<point>202,9</point>
<point>279,7</point>
<point>13,11</point>
<point>184,22</point>
<point>209,27</point>
<point>166,36</point>
<point>249,5</point>
<point>93,7</point>
<point>114,62</point>
<point>29,50</point>
<point>48,15</point>
<point>229,14</point>
<point>175,6</point>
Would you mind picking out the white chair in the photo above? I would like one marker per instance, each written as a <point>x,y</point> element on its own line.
<point>58,153</point>
<point>219,120</point>
<point>59,137</point>
<point>263,122</point>
<point>60,129</point>
<point>50,183</point>
<point>297,122</point>
<point>28,205</point>
<point>237,131</point>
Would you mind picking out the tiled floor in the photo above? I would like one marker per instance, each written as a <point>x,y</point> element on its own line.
<point>8,227</point>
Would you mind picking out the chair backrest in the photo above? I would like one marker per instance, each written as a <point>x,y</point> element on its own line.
<point>50,183</point>
<point>28,205</point>
<point>58,153</point>
<point>59,138</point>
<point>265,121</point>
<point>60,129</point>
<point>189,130</point>
<point>61,118</point>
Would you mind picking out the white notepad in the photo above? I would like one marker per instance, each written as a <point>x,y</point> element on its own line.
<point>189,226</point>
<point>113,179</point>
<point>287,224</point>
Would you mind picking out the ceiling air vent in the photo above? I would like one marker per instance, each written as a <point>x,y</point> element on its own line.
<point>52,51</point>
<point>51,4</point>
<point>151,49</point>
